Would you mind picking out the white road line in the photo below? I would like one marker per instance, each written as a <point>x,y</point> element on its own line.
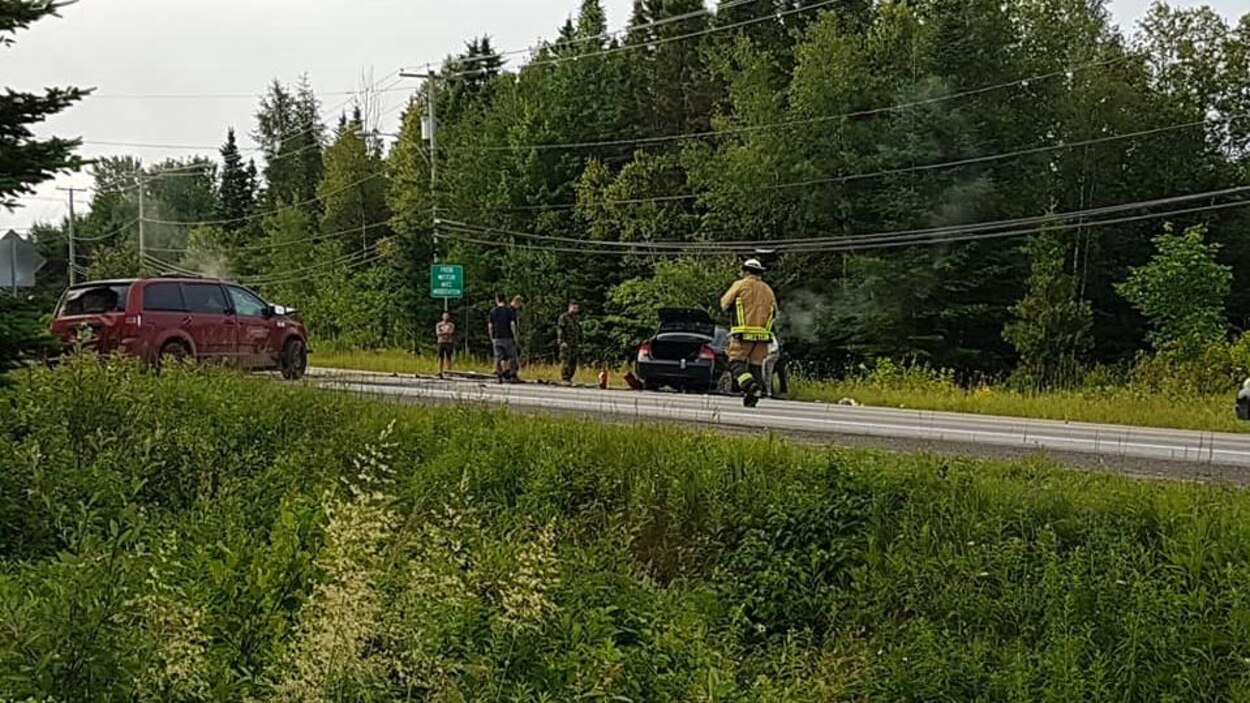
<point>1206,448</point>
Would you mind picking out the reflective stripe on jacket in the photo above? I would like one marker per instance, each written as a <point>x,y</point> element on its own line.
<point>754,308</point>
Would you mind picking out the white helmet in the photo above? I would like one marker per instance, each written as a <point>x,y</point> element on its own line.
<point>753,265</point>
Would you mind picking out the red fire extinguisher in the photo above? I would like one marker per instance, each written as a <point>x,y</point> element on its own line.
<point>603,379</point>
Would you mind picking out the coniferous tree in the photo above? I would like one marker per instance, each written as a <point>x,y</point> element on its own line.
<point>353,191</point>
<point>236,191</point>
<point>290,133</point>
<point>24,160</point>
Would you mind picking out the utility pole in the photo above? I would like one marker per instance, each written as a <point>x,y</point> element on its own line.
<point>13,263</point>
<point>73,259</point>
<point>142,251</point>
<point>431,129</point>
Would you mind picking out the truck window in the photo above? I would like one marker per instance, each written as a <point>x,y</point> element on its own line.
<point>205,298</point>
<point>94,300</point>
<point>165,297</point>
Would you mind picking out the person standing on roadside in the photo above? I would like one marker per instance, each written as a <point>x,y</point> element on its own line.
<point>775,367</point>
<point>517,303</point>
<point>753,307</point>
<point>445,333</point>
<point>502,330</point>
<point>569,336</point>
<point>1243,401</point>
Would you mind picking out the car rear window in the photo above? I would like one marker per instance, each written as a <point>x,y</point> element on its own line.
<point>94,300</point>
<point>163,296</point>
<point>207,298</point>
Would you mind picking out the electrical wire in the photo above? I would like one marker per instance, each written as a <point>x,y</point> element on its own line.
<point>651,44</point>
<point>268,246</point>
<point>297,131</point>
<point>611,34</point>
<point>744,129</point>
<point>852,177</point>
<point>954,237</point>
<point>342,260</point>
<point>210,96</point>
<point>108,235</point>
<point>842,239</point>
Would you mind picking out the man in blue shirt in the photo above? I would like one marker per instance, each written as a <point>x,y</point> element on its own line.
<point>502,328</point>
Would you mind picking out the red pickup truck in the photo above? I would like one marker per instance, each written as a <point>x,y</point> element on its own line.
<point>182,318</point>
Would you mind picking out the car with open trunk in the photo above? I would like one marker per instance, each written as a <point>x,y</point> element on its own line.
<point>687,353</point>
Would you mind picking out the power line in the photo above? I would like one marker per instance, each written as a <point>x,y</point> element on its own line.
<point>216,96</point>
<point>644,141</point>
<point>352,260</point>
<point>267,246</point>
<point>651,44</point>
<point>978,236</point>
<point>953,237</point>
<point>611,34</point>
<point>842,239</point>
<point>297,131</point>
<point>855,176</point>
<point>267,213</point>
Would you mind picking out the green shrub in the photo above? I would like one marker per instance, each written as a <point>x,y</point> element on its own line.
<point>204,536</point>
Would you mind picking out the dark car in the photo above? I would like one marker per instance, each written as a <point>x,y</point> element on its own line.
<point>687,353</point>
<point>182,318</point>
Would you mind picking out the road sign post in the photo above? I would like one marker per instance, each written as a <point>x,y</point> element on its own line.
<point>19,261</point>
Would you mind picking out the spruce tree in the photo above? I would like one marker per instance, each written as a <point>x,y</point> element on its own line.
<point>24,163</point>
<point>290,133</point>
<point>24,160</point>
<point>236,191</point>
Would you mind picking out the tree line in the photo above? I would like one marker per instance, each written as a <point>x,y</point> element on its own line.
<point>573,174</point>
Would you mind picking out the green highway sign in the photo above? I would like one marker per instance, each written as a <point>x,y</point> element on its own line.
<point>446,281</point>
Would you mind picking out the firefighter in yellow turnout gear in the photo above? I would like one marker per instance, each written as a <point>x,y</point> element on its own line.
<point>753,307</point>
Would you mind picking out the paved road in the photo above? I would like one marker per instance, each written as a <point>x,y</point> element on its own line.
<point>1214,450</point>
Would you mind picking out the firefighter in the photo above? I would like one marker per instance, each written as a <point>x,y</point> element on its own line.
<point>753,309</point>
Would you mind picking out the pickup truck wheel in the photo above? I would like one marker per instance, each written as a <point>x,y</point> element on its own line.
<point>172,353</point>
<point>294,360</point>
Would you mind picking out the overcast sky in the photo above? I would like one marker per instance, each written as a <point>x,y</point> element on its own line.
<point>143,56</point>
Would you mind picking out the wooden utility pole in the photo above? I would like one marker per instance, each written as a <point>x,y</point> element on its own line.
<point>73,258</point>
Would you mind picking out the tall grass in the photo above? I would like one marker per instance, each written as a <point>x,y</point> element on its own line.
<point>894,386</point>
<point>203,536</point>
<point>398,361</point>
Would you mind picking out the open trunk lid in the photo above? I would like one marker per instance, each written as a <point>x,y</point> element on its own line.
<point>687,320</point>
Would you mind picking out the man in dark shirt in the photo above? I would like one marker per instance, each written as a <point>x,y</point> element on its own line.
<point>502,330</point>
<point>569,337</point>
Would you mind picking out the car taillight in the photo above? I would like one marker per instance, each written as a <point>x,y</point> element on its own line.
<point>644,351</point>
<point>707,353</point>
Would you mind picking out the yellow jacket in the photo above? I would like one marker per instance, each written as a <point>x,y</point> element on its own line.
<point>753,306</point>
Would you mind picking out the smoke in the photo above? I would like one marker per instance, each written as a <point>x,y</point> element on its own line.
<point>801,312</point>
<point>208,263</point>
<point>960,203</point>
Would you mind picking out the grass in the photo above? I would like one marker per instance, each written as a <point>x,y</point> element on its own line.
<point>1116,405</point>
<point>207,536</point>
<point>398,361</point>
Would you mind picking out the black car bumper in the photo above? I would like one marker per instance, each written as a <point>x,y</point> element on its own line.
<point>699,374</point>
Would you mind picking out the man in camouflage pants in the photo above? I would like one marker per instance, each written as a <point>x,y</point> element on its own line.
<point>569,335</point>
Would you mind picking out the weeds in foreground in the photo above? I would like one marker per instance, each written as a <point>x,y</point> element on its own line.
<point>228,538</point>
